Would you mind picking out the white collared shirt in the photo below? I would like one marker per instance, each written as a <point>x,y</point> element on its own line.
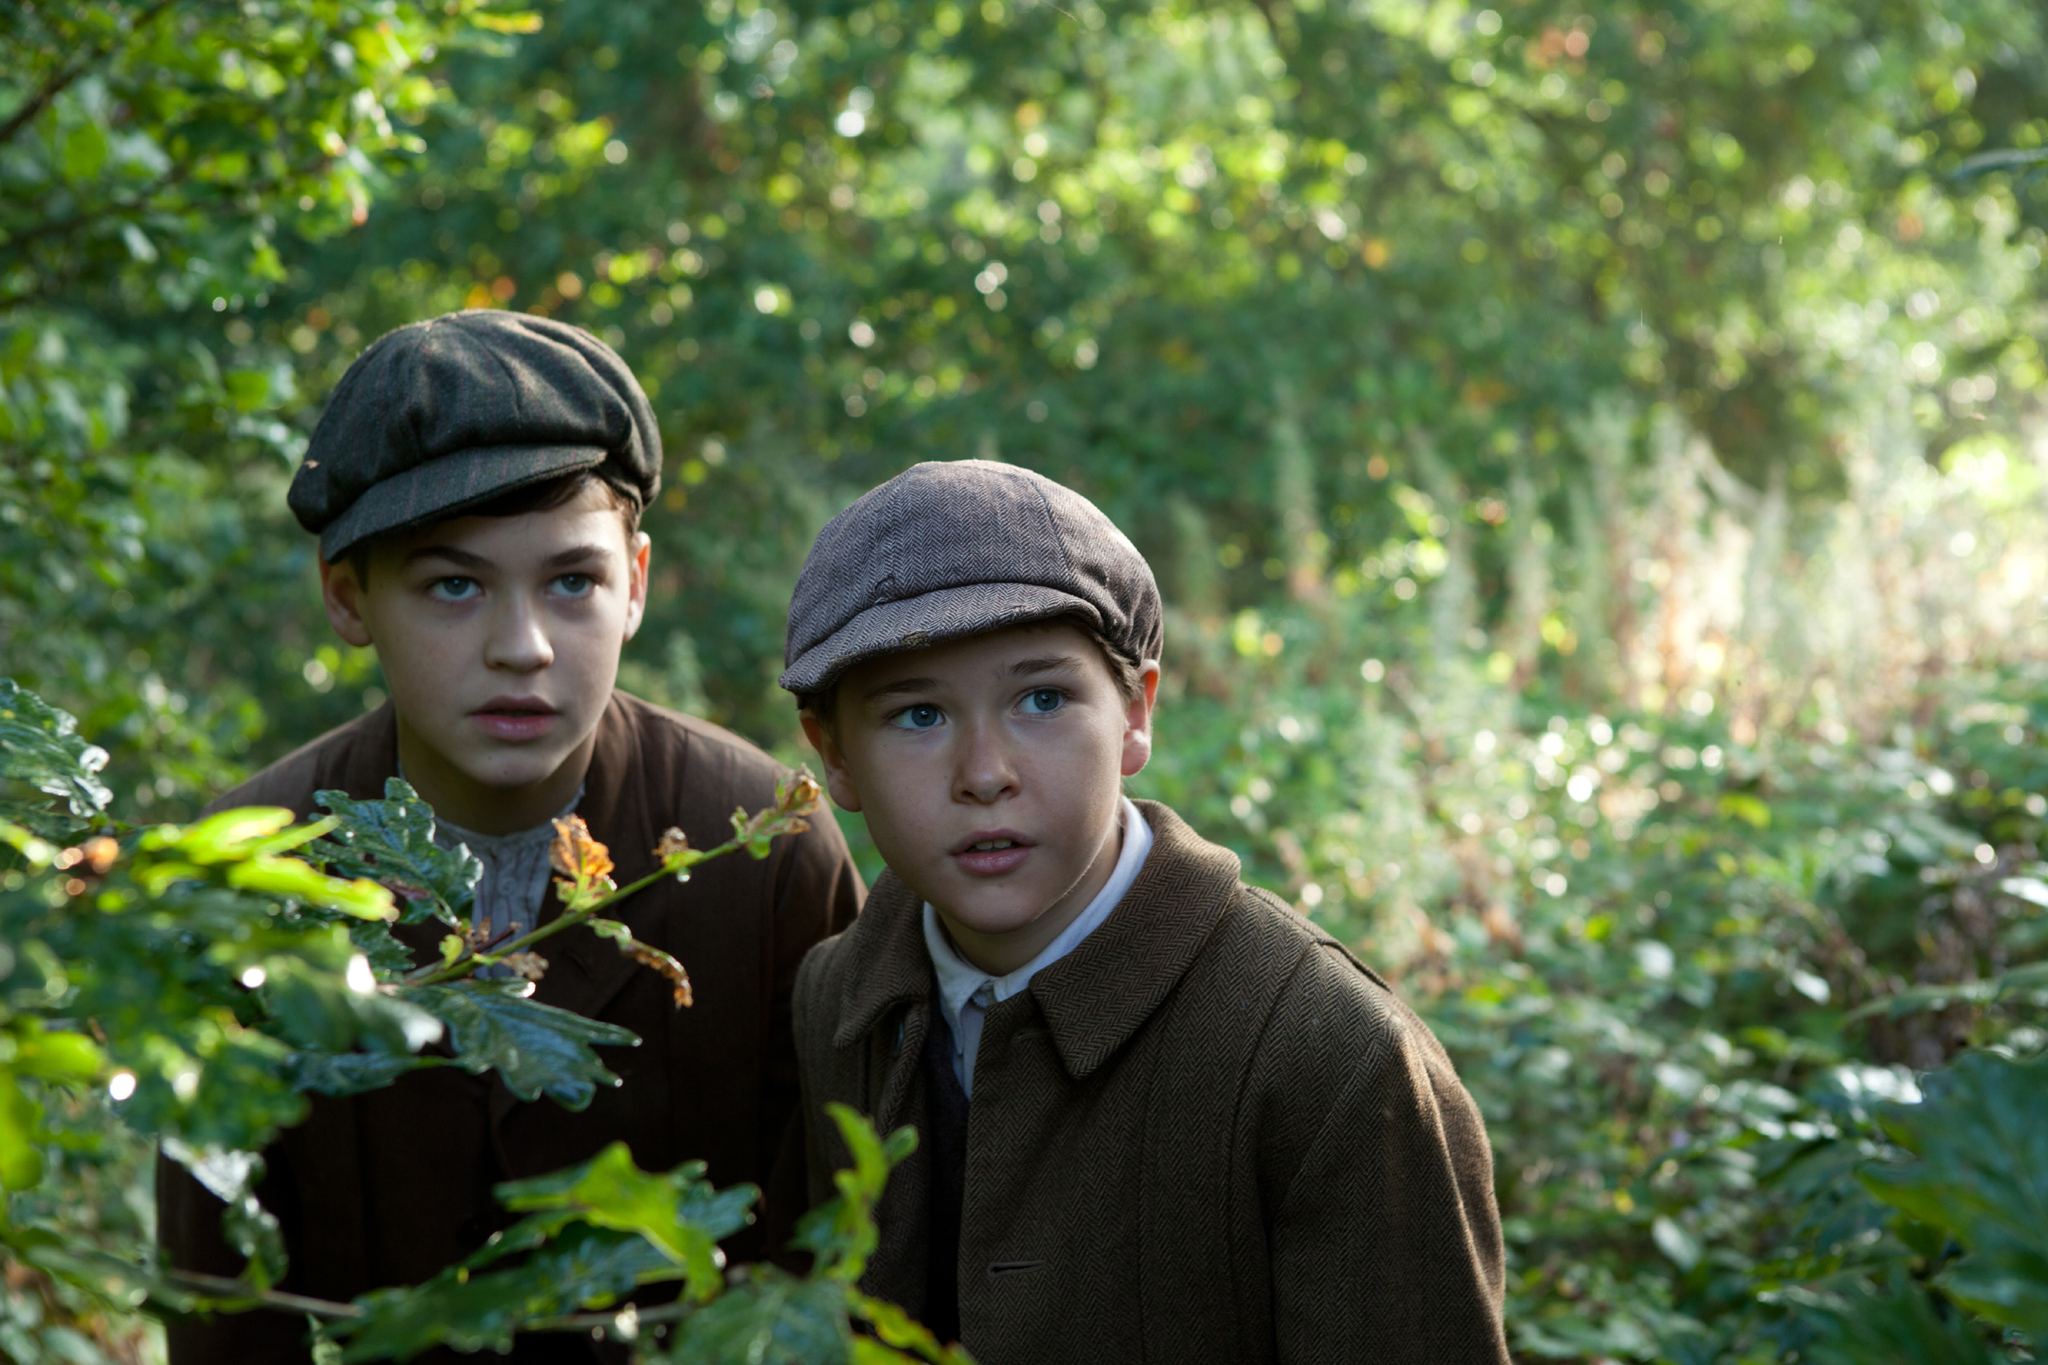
<point>966,991</point>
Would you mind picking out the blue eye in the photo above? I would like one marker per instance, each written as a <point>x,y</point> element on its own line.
<point>921,717</point>
<point>1043,701</point>
<point>453,589</point>
<point>576,584</point>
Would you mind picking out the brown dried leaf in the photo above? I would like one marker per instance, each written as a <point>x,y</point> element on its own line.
<point>673,841</point>
<point>661,962</point>
<point>798,793</point>
<point>530,966</point>
<point>576,855</point>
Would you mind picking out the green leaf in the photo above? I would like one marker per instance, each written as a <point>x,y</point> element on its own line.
<point>537,1049</point>
<point>392,841</point>
<point>83,152</point>
<point>1746,808</point>
<point>1981,1136</point>
<point>386,955</point>
<point>769,1319</point>
<point>21,1130</point>
<point>898,1329</point>
<point>55,1055</point>
<point>40,745</point>
<point>585,1267</point>
<point>232,1177</point>
<point>319,1011</point>
<point>609,1191</point>
<point>1902,1327</point>
<point>841,1232</point>
<point>349,1073</point>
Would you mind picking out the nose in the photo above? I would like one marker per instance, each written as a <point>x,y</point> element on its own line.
<point>518,641</point>
<point>985,767</point>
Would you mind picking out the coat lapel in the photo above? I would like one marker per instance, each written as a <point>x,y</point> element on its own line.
<point>889,963</point>
<point>1102,992</point>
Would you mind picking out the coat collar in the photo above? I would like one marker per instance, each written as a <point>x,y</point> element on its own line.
<point>1096,997</point>
<point>372,756</point>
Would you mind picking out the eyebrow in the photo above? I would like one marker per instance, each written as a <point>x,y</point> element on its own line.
<point>575,554</point>
<point>465,558</point>
<point>469,559</point>
<point>1052,663</point>
<point>901,685</point>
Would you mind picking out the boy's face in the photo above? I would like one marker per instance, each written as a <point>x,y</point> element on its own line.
<point>499,639</point>
<point>989,770</point>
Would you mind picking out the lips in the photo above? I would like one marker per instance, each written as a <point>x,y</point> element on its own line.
<point>515,718</point>
<point>992,852</point>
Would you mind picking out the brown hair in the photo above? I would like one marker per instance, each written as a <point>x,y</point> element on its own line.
<point>544,496</point>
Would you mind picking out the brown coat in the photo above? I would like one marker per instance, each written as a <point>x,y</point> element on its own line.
<point>1206,1134</point>
<point>389,1187</point>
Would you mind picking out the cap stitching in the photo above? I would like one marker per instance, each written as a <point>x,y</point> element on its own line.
<point>1059,537</point>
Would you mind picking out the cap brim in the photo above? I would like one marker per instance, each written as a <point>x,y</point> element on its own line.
<point>934,618</point>
<point>443,487</point>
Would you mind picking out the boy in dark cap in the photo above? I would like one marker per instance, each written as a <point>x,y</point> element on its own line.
<point>477,483</point>
<point>1162,1116</point>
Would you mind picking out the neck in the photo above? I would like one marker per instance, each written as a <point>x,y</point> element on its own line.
<point>1001,954</point>
<point>462,800</point>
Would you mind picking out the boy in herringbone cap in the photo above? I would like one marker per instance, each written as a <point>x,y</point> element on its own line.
<point>1162,1116</point>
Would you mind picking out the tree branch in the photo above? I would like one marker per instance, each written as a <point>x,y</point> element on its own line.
<point>57,83</point>
<point>220,1286</point>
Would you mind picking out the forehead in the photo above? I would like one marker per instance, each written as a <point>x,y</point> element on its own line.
<point>587,520</point>
<point>979,658</point>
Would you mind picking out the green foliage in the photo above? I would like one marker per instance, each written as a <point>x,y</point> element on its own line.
<point>206,980</point>
<point>1981,1139</point>
<point>1624,387</point>
<point>393,841</point>
<point>536,1049</point>
<point>597,1231</point>
<point>46,752</point>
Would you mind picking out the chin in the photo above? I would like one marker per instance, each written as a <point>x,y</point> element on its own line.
<point>517,770</point>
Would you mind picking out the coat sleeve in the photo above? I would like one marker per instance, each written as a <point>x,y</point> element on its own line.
<point>1386,1243</point>
<point>819,893</point>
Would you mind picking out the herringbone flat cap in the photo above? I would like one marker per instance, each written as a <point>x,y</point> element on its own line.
<point>950,549</point>
<point>451,412</point>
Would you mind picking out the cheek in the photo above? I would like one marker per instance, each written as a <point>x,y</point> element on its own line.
<point>417,655</point>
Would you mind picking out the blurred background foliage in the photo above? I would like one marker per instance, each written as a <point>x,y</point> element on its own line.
<point>1593,457</point>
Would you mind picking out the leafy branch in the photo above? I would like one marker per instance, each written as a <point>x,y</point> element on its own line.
<point>586,886</point>
<point>204,977</point>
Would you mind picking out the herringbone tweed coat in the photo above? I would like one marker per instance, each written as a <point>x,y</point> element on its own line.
<point>1206,1134</point>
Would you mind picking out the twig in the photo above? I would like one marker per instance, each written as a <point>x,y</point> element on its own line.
<point>568,919</point>
<point>220,1286</point>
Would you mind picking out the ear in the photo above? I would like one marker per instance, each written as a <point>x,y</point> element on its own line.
<point>639,549</point>
<point>1138,720</point>
<point>838,780</point>
<point>341,592</point>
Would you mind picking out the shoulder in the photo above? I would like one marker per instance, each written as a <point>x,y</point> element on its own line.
<point>670,744</point>
<point>1334,1038</point>
<point>1326,1022</point>
<point>328,763</point>
<point>849,982</point>
<point>1309,978</point>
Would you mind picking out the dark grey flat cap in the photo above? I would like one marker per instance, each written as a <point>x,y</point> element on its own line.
<point>950,549</point>
<point>451,412</point>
